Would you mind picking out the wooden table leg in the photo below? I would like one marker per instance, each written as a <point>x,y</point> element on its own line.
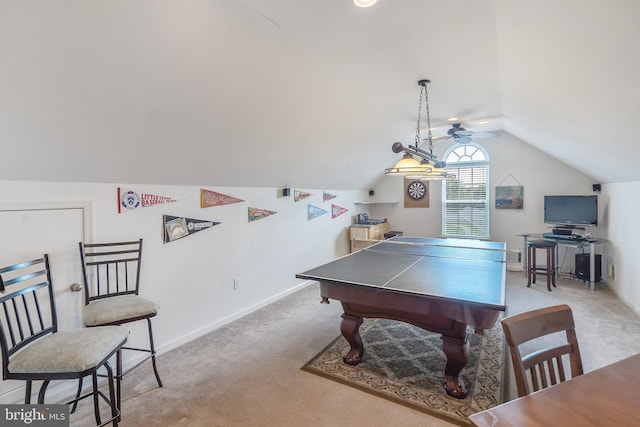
<point>350,328</point>
<point>457,352</point>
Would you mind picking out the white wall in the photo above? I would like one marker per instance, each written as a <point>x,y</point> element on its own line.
<point>192,278</point>
<point>513,162</point>
<point>622,210</point>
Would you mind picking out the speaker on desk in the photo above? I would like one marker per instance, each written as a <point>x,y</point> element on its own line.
<point>583,270</point>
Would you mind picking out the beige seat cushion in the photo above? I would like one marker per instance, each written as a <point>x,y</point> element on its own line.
<point>68,351</point>
<point>117,309</point>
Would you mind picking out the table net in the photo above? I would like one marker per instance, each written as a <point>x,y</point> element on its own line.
<point>473,250</point>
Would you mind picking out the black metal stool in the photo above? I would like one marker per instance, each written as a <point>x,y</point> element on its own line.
<point>549,269</point>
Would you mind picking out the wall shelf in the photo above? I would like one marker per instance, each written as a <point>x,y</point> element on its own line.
<point>363,205</point>
<point>375,203</point>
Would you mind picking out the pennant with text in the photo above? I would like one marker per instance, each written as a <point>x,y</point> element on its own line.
<point>327,196</point>
<point>256,214</point>
<point>129,200</point>
<point>314,212</point>
<point>176,227</point>
<point>336,211</point>
<point>210,198</point>
<point>300,195</point>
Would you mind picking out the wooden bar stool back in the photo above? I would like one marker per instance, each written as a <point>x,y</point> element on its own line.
<point>549,269</point>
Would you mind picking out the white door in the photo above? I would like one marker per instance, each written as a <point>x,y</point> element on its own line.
<point>30,232</point>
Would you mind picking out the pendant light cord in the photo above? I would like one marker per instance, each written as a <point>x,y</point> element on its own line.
<point>424,92</point>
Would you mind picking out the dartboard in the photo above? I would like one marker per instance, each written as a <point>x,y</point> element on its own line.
<point>417,190</point>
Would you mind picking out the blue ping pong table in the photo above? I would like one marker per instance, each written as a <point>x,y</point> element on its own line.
<point>440,285</point>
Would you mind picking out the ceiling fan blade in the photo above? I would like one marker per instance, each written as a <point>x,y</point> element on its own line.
<point>437,139</point>
<point>484,134</point>
<point>460,133</point>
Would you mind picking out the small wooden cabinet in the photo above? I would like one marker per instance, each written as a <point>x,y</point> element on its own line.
<point>360,235</point>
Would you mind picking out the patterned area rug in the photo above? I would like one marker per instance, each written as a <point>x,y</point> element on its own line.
<point>405,364</point>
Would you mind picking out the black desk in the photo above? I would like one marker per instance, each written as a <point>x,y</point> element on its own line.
<point>581,244</point>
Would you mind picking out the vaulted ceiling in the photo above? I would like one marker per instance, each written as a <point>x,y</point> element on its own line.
<point>306,93</point>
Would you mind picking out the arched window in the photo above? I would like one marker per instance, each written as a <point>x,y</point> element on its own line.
<point>465,198</point>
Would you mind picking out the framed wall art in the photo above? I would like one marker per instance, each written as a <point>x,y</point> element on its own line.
<point>510,197</point>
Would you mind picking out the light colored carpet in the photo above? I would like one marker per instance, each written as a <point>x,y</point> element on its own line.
<point>248,373</point>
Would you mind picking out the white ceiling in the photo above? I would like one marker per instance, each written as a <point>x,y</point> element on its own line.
<point>310,93</point>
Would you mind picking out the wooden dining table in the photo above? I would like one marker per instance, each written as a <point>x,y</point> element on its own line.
<point>604,397</point>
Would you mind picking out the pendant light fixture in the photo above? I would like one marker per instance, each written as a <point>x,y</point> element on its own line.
<point>364,3</point>
<point>428,166</point>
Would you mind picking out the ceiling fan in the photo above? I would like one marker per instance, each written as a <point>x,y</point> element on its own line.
<point>460,135</point>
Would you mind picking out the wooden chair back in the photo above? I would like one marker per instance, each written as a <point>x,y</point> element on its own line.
<point>28,306</point>
<point>543,367</point>
<point>110,269</point>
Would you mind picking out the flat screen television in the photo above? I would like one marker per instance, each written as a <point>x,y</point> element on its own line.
<point>571,211</point>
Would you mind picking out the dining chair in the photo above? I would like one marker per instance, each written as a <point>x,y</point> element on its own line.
<point>543,367</point>
<point>33,349</point>
<point>111,279</point>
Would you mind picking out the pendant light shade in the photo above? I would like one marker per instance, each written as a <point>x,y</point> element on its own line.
<point>407,161</point>
<point>364,3</point>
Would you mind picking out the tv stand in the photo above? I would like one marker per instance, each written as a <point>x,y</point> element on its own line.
<point>582,244</point>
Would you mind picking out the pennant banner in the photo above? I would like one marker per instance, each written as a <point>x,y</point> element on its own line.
<point>211,198</point>
<point>256,214</point>
<point>336,211</point>
<point>314,212</point>
<point>327,196</point>
<point>300,195</point>
<point>176,227</point>
<point>129,200</point>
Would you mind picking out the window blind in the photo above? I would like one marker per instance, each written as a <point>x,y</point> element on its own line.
<point>465,208</point>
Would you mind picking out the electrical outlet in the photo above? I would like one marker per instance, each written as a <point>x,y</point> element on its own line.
<point>612,271</point>
<point>236,282</point>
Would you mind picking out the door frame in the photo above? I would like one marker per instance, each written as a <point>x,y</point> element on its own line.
<point>62,389</point>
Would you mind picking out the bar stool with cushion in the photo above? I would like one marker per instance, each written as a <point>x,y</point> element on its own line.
<point>111,275</point>
<point>549,269</point>
<point>34,350</point>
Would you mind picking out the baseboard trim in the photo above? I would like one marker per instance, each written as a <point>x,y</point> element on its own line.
<point>228,319</point>
<point>62,391</point>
